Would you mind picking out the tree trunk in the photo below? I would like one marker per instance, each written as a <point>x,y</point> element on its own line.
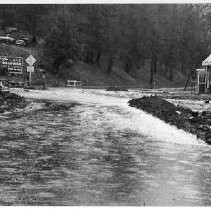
<point>151,72</point>
<point>189,76</point>
<point>128,65</point>
<point>155,64</point>
<point>142,61</point>
<point>161,68</point>
<point>182,68</point>
<point>166,69</point>
<point>34,40</point>
<point>170,74</point>
<point>110,64</point>
<point>98,58</point>
<point>92,57</point>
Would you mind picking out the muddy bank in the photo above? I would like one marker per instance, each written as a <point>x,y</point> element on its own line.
<point>35,107</point>
<point>15,106</point>
<point>183,118</point>
<point>9,102</point>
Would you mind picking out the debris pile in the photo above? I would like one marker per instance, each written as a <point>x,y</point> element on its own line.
<point>183,118</point>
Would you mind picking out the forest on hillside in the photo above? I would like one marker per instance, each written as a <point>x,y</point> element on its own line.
<point>175,37</point>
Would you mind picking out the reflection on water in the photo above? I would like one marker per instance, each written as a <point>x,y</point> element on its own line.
<point>81,156</point>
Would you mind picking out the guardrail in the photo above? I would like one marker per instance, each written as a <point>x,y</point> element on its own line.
<point>74,83</point>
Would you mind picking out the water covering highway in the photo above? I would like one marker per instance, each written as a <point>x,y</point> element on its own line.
<point>98,152</point>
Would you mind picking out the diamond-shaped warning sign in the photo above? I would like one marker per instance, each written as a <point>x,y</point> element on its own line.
<point>30,60</point>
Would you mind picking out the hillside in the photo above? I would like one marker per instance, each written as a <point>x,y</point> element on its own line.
<point>95,76</point>
<point>175,36</point>
<point>92,75</point>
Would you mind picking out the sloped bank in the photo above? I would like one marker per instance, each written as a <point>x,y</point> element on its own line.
<point>183,118</point>
<point>11,101</point>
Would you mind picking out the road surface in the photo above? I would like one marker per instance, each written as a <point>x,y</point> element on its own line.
<point>99,152</point>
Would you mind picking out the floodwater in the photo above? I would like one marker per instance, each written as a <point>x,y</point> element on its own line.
<point>99,152</point>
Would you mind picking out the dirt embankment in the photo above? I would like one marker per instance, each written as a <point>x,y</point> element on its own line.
<point>183,118</point>
<point>10,101</point>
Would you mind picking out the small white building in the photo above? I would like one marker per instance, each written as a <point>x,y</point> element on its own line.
<point>204,77</point>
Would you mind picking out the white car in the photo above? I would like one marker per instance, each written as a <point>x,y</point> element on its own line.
<point>20,42</point>
<point>6,39</point>
<point>11,29</point>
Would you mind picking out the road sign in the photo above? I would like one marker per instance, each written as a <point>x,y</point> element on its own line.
<point>30,60</point>
<point>12,64</point>
<point>30,68</point>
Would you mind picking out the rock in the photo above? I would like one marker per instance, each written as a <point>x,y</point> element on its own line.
<point>201,135</point>
<point>193,131</point>
<point>208,141</point>
<point>205,128</point>
<point>200,126</point>
<point>195,114</point>
<point>203,113</point>
<point>193,119</point>
<point>206,101</point>
<point>178,112</point>
<point>208,114</point>
<point>209,121</point>
<point>22,105</point>
<point>208,135</point>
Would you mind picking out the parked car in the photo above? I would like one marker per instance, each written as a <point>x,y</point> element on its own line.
<point>20,42</point>
<point>11,29</point>
<point>6,39</point>
<point>26,40</point>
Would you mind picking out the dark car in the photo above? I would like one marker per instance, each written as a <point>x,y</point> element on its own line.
<point>26,40</point>
<point>20,42</point>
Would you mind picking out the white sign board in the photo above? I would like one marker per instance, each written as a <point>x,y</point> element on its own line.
<point>30,68</point>
<point>30,60</point>
<point>12,64</point>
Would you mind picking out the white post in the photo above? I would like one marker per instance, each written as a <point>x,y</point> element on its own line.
<point>198,82</point>
<point>30,76</point>
<point>206,80</point>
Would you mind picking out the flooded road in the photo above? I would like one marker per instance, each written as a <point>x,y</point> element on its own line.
<point>99,152</point>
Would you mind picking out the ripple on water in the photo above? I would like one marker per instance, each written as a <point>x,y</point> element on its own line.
<point>92,155</point>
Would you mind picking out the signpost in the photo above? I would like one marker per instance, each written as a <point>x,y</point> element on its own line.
<point>30,60</point>
<point>12,64</point>
<point>30,69</point>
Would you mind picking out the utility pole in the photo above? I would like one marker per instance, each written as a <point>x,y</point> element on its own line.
<point>153,59</point>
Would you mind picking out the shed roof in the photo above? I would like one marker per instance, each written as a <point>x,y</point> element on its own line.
<point>200,70</point>
<point>207,61</point>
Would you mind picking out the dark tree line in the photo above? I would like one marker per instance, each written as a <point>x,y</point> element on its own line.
<point>173,37</point>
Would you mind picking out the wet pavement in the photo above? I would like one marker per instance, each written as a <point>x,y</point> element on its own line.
<point>100,154</point>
